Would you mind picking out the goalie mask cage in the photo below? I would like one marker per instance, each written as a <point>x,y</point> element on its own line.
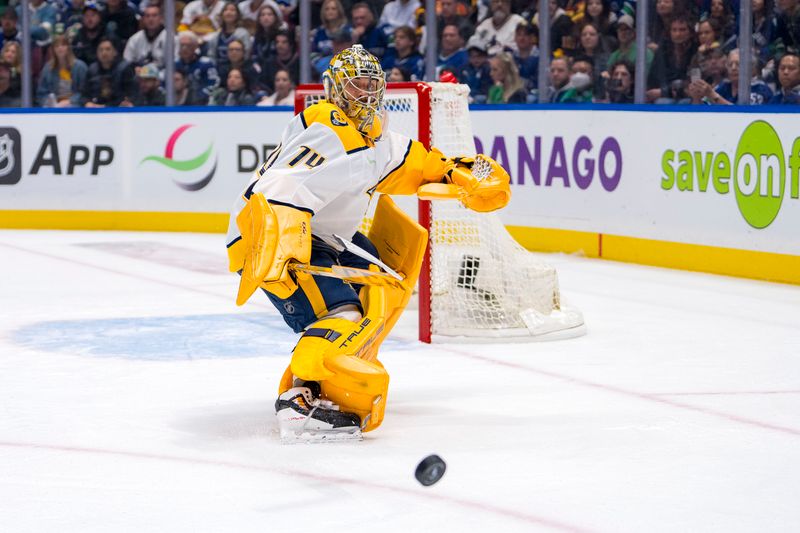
<point>477,282</point>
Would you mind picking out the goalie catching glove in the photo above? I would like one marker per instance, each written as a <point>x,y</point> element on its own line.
<point>478,183</point>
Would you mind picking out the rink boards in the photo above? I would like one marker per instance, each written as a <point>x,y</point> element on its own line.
<point>710,191</point>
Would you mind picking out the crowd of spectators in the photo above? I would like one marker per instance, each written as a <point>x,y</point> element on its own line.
<point>112,53</point>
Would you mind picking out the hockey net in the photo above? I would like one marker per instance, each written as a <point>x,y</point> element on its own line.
<point>477,282</point>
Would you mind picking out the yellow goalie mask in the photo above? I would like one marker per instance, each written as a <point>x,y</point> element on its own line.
<point>355,83</point>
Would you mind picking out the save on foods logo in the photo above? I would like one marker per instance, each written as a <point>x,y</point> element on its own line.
<point>189,174</point>
<point>760,173</point>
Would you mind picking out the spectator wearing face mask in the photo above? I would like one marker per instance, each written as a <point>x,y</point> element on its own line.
<point>559,78</point>
<point>593,46</point>
<point>580,88</point>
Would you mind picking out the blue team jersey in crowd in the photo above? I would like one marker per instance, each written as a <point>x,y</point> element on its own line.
<point>322,44</point>
<point>454,62</point>
<point>203,73</point>
<point>375,42</point>
<point>528,69</point>
<point>414,63</point>
<point>792,98</point>
<point>478,80</point>
<point>760,92</point>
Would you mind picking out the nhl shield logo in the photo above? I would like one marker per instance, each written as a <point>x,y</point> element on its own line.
<point>7,161</point>
<point>10,171</point>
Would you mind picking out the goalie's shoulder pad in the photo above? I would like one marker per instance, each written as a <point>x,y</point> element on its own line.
<point>333,118</point>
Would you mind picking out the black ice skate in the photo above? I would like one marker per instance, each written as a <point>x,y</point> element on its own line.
<point>304,417</point>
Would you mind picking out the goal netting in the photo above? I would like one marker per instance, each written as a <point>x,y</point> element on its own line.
<point>477,282</point>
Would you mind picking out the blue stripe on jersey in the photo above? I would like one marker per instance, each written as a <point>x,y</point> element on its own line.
<point>234,241</point>
<point>355,150</point>
<point>273,156</point>
<point>286,204</point>
<point>249,192</point>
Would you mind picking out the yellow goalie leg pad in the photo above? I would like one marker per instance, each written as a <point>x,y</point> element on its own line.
<point>272,235</point>
<point>342,355</point>
<point>330,352</point>
<point>401,244</point>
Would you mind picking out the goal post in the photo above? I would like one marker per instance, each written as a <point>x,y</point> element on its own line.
<point>477,283</point>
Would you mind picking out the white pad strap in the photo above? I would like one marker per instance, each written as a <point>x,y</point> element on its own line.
<point>348,312</point>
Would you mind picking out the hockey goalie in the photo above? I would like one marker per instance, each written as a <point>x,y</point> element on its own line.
<point>343,294</point>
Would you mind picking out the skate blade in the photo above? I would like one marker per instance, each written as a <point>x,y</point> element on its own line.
<point>320,437</point>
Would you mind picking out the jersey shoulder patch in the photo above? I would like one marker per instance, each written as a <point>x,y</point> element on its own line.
<point>333,118</point>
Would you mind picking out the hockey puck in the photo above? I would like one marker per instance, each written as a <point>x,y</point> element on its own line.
<point>430,470</point>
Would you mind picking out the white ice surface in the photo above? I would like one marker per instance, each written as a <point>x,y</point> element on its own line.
<point>135,396</point>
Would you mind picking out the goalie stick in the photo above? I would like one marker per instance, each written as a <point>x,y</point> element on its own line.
<point>352,274</point>
<point>349,274</point>
<point>341,244</point>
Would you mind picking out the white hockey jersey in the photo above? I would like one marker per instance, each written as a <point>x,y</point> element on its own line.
<point>325,166</point>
